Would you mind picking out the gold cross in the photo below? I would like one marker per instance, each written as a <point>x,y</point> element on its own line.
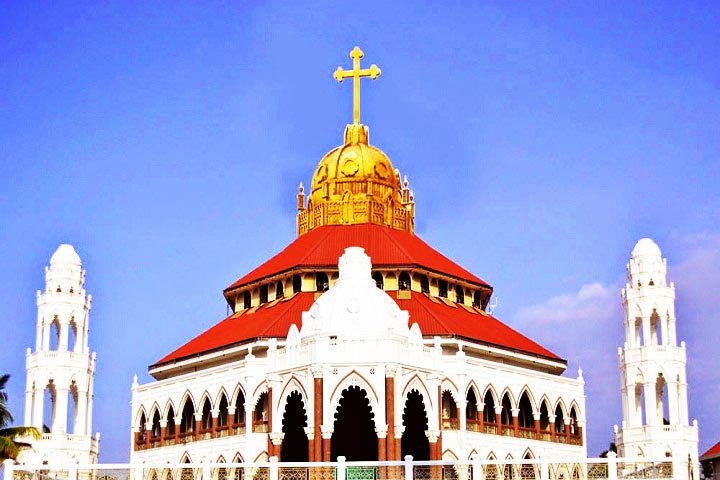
<point>356,74</point>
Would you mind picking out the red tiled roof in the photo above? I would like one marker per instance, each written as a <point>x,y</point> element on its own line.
<point>433,316</point>
<point>712,453</point>
<point>386,247</point>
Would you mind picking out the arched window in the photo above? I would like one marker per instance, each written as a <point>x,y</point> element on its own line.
<point>142,433</point>
<point>155,432</point>
<point>170,429</point>
<point>404,282</point>
<point>574,428</point>
<point>477,301</point>
<point>559,420</point>
<point>471,412</point>
<point>459,294</point>
<point>296,283</point>
<point>544,422</point>
<point>263,293</point>
<point>449,412</point>
<point>442,288</point>
<point>55,334</point>
<point>239,416</point>
<point>525,416</point>
<point>247,299</point>
<point>489,416</point>
<point>379,282</point>
<point>187,419</point>
<point>206,420</point>
<point>424,284</point>
<point>279,290</point>
<point>506,415</point>
<point>321,282</point>
<point>260,415</point>
<point>222,421</point>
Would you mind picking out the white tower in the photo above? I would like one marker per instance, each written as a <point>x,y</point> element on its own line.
<point>61,370</point>
<point>652,365</point>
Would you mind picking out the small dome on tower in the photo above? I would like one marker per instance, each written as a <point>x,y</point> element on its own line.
<point>646,247</point>
<point>65,253</point>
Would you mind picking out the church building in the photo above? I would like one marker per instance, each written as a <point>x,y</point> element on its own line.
<point>359,340</point>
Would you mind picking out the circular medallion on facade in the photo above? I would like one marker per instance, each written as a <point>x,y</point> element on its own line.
<point>350,168</point>
<point>381,170</point>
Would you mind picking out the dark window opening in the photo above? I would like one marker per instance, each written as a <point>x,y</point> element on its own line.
<point>223,413</point>
<point>295,442</point>
<point>155,433</point>
<point>321,282</point>
<point>239,417</point>
<point>459,294</point>
<point>489,409</point>
<point>404,281</point>
<point>296,283</point>
<point>187,420</point>
<point>279,290</point>
<point>442,288</point>
<point>424,284</point>
<point>170,429</point>
<point>354,433</point>
<point>379,282</point>
<point>206,416</point>
<point>525,413</point>
<point>263,293</point>
<point>477,301</point>
<point>414,441</point>
<point>247,300</point>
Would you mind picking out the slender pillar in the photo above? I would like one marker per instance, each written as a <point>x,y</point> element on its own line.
<point>318,413</point>
<point>390,413</point>
<point>163,432</point>
<point>178,422</point>
<point>515,421</point>
<point>498,420</point>
<point>270,448</point>
<point>148,433</point>
<point>650,403</point>
<point>198,425</point>
<point>536,418</point>
<point>326,437</point>
<point>553,434</point>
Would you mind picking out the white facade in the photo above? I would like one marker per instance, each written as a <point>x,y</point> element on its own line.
<point>356,337</point>
<point>652,365</point>
<point>60,372</point>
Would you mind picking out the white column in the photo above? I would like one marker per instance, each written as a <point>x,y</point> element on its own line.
<point>624,398</point>
<point>81,414</point>
<point>61,405</point>
<point>37,415</point>
<point>462,414</point>
<point>646,331</point>
<point>650,403</point>
<point>683,404</point>
<point>249,407</point>
<point>631,406</point>
<point>63,340</point>
<point>673,403</point>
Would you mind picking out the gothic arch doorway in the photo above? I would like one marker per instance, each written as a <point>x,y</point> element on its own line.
<point>354,431</point>
<point>414,441</point>
<point>295,441</point>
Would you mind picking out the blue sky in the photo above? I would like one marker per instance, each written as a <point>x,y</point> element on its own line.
<point>166,140</point>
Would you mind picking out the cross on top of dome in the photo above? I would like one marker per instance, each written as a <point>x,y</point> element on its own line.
<point>356,74</point>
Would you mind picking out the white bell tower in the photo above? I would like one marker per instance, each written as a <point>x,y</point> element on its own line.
<point>652,365</point>
<point>61,370</point>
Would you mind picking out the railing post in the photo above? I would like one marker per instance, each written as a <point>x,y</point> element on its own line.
<point>340,468</point>
<point>9,466</point>
<point>138,472</point>
<point>478,473</point>
<point>72,472</point>
<point>273,470</point>
<point>544,469</point>
<point>409,467</point>
<point>206,472</point>
<point>612,465</point>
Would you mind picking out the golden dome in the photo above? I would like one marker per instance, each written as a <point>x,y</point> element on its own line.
<point>356,183</point>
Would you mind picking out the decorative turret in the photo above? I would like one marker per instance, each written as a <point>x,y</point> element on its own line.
<point>60,372</point>
<point>652,365</point>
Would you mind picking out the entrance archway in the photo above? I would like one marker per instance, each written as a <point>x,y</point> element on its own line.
<point>354,431</point>
<point>414,441</point>
<point>295,441</point>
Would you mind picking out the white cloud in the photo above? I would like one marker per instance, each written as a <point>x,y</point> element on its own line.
<point>590,303</point>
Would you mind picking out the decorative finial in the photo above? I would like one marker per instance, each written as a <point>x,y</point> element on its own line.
<point>356,74</point>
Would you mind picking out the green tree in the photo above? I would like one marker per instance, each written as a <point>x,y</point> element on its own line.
<point>9,448</point>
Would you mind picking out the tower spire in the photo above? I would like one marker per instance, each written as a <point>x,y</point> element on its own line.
<point>356,74</point>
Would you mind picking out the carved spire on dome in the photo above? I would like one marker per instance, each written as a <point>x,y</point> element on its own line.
<point>356,183</point>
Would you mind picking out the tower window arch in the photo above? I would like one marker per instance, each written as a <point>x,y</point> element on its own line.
<point>322,284</point>
<point>404,281</point>
<point>379,282</point>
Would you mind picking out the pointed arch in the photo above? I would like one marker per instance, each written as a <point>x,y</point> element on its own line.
<point>259,390</point>
<point>139,416</point>
<point>416,383</point>
<point>292,385</point>
<point>262,457</point>
<point>169,405</point>
<point>238,458</point>
<point>449,455</point>
<point>473,454</point>
<point>525,390</point>
<point>221,392</point>
<point>354,379</point>
<point>187,397</point>
<point>490,389</point>
<point>560,404</point>
<point>205,397</point>
<point>450,387</point>
<point>471,385</point>
<point>526,418</point>
<point>238,390</point>
<point>512,398</point>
